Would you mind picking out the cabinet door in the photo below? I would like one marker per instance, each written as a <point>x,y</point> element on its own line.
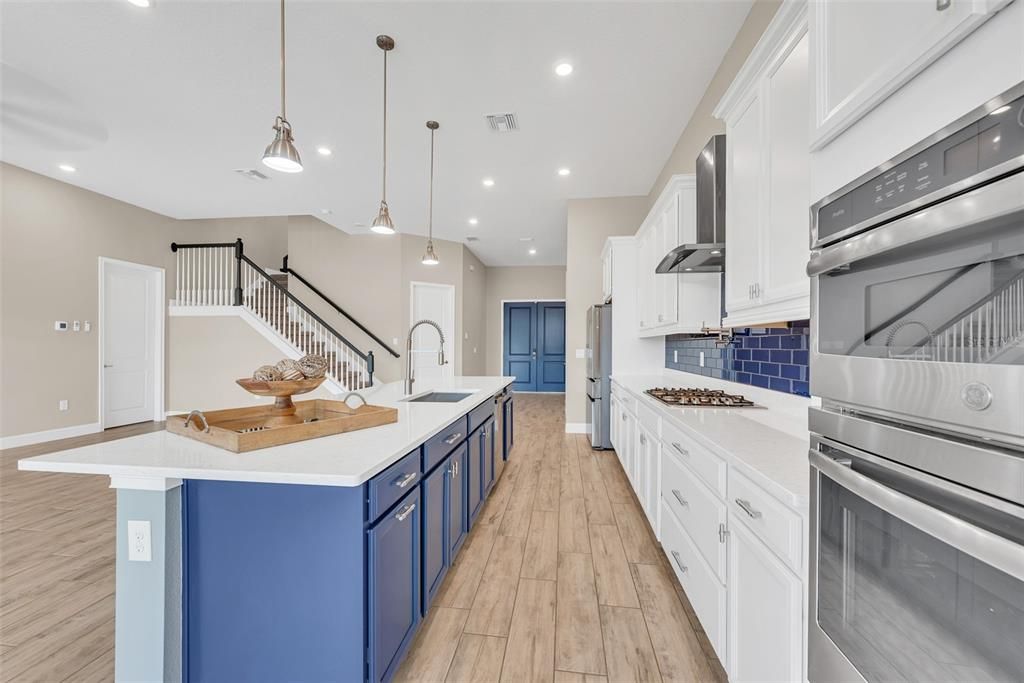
<point>643,292</point>
<point>765,612</point>
<point>508,428</point>
<point>865,51</point>
<point>487,455</point>
<point>458,511</point>
<point>394,563</point>
<point>475,476</point>
<point>434,493</point>
<point>787,233</point>
<point>668,284</point>
<point>744,173</point>
<point>614,411</point>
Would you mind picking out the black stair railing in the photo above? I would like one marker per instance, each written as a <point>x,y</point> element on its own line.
<point>212,275</point>
<point>330,302</point>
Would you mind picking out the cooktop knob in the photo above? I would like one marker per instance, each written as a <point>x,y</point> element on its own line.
<point>976,396</point>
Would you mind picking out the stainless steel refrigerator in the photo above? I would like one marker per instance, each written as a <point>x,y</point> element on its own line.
<point>599,370</point>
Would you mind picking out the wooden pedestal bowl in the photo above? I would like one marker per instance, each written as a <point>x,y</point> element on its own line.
<point>282,391</point>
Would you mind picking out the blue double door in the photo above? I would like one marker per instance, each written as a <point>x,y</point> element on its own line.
<point>534,345</point>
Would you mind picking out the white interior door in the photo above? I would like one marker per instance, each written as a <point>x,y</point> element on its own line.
<point>432,302</point>
<point>129,347</point>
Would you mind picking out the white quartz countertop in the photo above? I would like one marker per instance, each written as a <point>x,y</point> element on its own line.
<point>341,460</point>
<point>768,442</point>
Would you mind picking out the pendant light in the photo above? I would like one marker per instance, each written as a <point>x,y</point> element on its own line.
<point>382,224</point>
<point>430,258</point>
<point>281,154</point>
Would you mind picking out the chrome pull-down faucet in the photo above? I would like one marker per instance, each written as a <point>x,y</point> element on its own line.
<point>409,377</point>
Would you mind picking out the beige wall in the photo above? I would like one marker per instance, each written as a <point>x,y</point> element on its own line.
<point>702,125</point>
<point>51,237</point>
<point>265,240</point>
<point>474,311</point>
<point>516,283</point>
<point>590,223</point>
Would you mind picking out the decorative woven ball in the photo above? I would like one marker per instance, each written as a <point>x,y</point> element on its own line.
<point>289,369</point>
<point>266,373</point>
<point>313,366</point>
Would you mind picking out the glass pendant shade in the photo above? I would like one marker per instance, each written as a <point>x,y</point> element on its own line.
<point>281,154</point>
<point>430,258</point>
<point>382,224</point>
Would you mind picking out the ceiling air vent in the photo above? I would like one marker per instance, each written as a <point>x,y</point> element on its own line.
<point>251,174</point>
<point>503,122</point>
<point>471,238</point>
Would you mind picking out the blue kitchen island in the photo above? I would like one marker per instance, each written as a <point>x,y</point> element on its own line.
<point>314,561</point>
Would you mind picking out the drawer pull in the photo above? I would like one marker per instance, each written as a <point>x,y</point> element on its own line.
<point>405,481</point>
<point>682,451</point>
<point>643,441</point>
<point>679,561</point>
<point>452,438</point>
<point>406,511</point>
<point>748,508</point>
<point>679,497</point>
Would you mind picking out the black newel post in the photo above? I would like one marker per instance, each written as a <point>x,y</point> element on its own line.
<point>369,365</point>
<point>238,272</point>
<point>284,264</point>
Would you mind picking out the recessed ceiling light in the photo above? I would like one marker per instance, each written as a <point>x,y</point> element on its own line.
<point>473,221</point>
<point>323,151</point>
<point>488,182</point>
<point>1001,110</point>
<point>688,269</point>
<point>563,171</point>
<point>67,168</point>
<point>141,3</point>
<point>563,69</point>
<point>533,251</point>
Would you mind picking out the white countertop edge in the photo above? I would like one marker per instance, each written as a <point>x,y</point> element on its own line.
<point>799,501</point>
<point>78,461</point>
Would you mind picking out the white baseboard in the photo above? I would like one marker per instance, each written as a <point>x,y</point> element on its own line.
<point>577,427</point>
<point>49,435</point>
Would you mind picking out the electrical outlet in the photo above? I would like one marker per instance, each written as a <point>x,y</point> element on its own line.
<point>62,405</point>
<point>139,545</point>
<point>581,353</point>
<point>675,355</point>
<point>702,359</point>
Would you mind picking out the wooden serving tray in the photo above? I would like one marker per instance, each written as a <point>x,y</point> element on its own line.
<point>249,429</point>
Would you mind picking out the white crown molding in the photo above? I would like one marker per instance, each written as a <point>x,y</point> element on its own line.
<point>786,20</point>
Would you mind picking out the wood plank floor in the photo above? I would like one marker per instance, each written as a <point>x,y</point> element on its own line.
<point>561,579</point>
<point>57,567</point>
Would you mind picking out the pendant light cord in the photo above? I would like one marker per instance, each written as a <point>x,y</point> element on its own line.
<point>430,199</point>
<point>384,175</point>
<point>283,114</point>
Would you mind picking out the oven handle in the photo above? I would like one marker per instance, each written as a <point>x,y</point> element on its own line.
<point>990,201</point>
<point>990,548</point>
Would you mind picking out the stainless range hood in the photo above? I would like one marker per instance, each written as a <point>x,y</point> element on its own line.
<point>707,255</point>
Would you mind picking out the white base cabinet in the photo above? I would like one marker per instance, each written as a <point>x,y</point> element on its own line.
<point>765,611</point>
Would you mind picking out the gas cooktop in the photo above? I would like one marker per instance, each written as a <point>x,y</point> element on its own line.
<point>715,398</point>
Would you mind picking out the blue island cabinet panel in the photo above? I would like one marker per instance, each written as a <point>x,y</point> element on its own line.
<point>273,584</point>
<point>435,494</point>
<point>474,477</point>
<point>487,455</point>
<point>394,561</point>
<point>508,428</point>
<point>458,504</point>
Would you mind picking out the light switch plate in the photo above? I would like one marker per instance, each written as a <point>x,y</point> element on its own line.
<point>140,546</point>
<point>675,355</point>
<point>61,325</point>
<point>76,326</point>
<point>702,359</point>
<point>581,353</point>
<point>62,405</point>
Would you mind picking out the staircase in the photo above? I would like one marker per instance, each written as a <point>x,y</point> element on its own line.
<point>220,274</point>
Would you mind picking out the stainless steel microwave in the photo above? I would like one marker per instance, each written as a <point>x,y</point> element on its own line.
<point>917,270</point>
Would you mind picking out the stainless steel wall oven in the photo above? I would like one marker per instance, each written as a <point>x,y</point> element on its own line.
<point>917,453</point>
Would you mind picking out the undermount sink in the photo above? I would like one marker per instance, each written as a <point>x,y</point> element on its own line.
<point>440,397</point>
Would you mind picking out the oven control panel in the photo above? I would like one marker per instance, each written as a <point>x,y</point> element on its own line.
<point>996,138</point>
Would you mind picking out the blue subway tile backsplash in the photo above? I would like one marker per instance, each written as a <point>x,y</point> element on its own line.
<point>772,358</point>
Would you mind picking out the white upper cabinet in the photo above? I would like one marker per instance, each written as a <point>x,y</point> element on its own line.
<point>864,51</point>
<point>767,177</point>
<point>673,303</point>
<point>607,254</point>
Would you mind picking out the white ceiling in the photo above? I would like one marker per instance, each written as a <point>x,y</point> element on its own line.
<point>156,106</point>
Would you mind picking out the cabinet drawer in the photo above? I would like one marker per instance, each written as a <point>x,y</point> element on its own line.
<point>778,526</point>
<point>444,442</point>
<point>704,591</point>
<point>387,487</point>
<point>649,419</point>
<point>700,512</point>
<point>709,467</point>
<point>479,415</point>
<point>626,398</point>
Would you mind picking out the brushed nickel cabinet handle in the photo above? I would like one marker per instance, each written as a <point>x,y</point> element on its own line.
<point>682,451</point>
<point>406,511</point>
<point>679,497</point>
<point>405,481</point>
<point>452,438</point>
<point>748,508</point>
<point>679,561</point>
